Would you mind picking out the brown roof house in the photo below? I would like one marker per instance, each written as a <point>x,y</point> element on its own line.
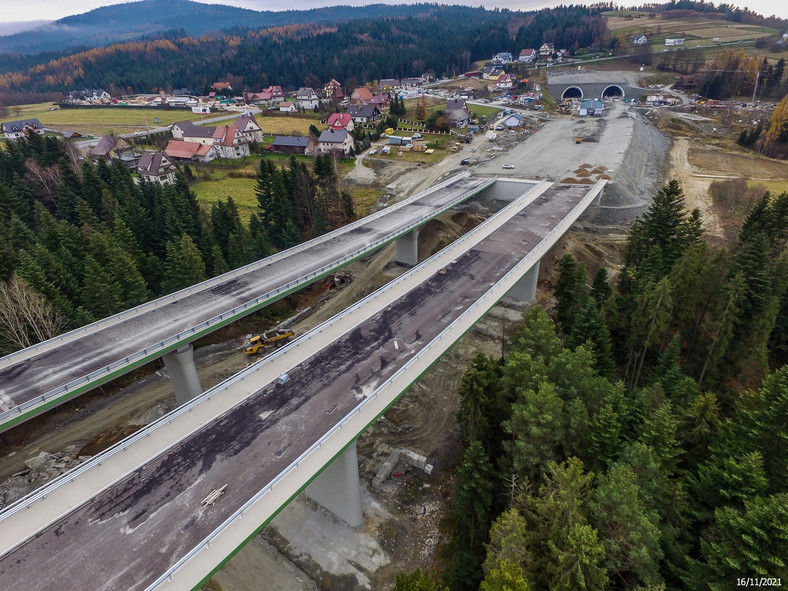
<point>360,96</point>
<point>157,168</point>
<point>249,127</point>
<point>184,151</point>
<point>112,147</point>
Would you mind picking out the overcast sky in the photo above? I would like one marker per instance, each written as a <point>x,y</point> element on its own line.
<point>28,10</point>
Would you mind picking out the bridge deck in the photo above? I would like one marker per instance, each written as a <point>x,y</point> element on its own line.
<point>55,371</point>
<point>138,528</point>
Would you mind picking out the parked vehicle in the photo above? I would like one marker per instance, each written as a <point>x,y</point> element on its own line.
<point>465,161</point>
<point>508,166</point>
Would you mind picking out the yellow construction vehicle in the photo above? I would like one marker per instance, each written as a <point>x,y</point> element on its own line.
<point>565,106</point>
<point>276,338</point>
<point>578,140</point>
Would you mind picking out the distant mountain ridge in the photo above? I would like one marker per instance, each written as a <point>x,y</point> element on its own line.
<point>132,20</point>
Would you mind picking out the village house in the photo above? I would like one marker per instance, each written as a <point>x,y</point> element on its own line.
<point>363,113</point>
<point>332,91</point>
<point>502,58</point>
<point>289,144</point>
<point>157,168</point>
<point>178,150</point>
<point>268,97</point>
<point>513,120</point>
<point>411,82</point>
<point>15,129</point>
<point>527,55</point>
<point>307,98</point>
<point>335,140</point>
<point>456,113</point>
<point>220,86</point>
<point>546,50</point>
<point>491,72</point>
<point>382,101</point>
<point>89,95</point>
<point>287,107</point>
<point>340,121</point>
<point>112,147</point>
<point>189,132</point>
<point>228,140</point>
<point>639,39</point>
<point>505,82</point>
<point>230,143</point>
<point>360,96</point>
<point>249,127</point>
<point>388,83</point>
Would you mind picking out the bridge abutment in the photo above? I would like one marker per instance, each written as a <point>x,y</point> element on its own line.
<point>338,488</point>
<point>183,373</point>
<point>407,253</point>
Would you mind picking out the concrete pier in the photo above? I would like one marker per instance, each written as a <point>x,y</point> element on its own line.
<point>524,291</point>
<point>407,253</point>
<point>183,373</point>
<point>338,488</point>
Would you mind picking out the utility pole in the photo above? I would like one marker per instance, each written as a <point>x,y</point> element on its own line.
<point>754,90</point>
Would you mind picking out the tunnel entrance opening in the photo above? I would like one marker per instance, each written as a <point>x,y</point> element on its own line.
<point>572,92</point>
<point>613,91</point>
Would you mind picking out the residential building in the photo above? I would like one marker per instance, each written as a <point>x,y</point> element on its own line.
<point>513,120</point>
<point>340,121</point>
<point>527,55</point>
<point>639,39</point>
<point>186,151</point>
<point>230,143</point>
<point>411,82</point>
<point>363,113</point>
<point>307,98</point>
<point>505,82</point>
<point>360,96</point>
<point>15,129</point>
<point>382,101</point>
<point>219,86</point>
<point>112,147</point>
<point>332,91</point>
<point>335,140</point>
<point>189,132</point>
<point>546,50</point>
<point>502,58</point>
<point>249,127</point>
<point>389,83</point>
<point>89,95</point>
<point>289,144</point>
<point>491,72</point>
<point>456,113</point>
<point>157,168</point>
<point>287,107</point>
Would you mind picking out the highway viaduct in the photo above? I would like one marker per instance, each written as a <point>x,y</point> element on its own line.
<point>132,517</point>
<point>50,373</point>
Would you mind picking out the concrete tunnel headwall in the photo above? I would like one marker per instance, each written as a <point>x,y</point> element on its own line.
<point>571,92</point>
<point>613,90</point>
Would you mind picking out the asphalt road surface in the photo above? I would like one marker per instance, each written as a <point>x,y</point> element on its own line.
<point>128,535</point>
<point>30,377</point>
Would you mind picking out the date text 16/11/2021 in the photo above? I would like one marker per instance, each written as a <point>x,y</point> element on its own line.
<point>759,582</point>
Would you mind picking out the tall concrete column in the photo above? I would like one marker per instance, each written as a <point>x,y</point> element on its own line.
<point>183,373</point>
<point>525,289</point>
<point>408,249</point>
<point>338,488</point>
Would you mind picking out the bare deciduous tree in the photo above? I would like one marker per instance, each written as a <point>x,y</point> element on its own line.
<point>26,316</point>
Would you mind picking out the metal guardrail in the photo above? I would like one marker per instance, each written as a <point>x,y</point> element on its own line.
<point>27,501</point>
<point>527,261</point>
<point>173,341</point>
<point>209,283</point>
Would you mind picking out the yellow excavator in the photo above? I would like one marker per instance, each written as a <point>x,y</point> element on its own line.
<point>276,338</point>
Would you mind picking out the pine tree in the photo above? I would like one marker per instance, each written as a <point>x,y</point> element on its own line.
<point>183,266</point>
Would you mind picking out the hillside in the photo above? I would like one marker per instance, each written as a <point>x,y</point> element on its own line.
<point>134,20</point>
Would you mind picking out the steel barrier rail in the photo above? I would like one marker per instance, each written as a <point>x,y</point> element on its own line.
<point>528,261</point>
<point>163,300</point>
<point>172,342</point>
<point>70,476</point>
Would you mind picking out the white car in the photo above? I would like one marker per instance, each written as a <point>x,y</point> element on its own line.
<point>508,166</point>
<point>417,136</point>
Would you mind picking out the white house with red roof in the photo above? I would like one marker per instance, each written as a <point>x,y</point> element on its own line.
<point>229,142</point>
<point>527,55</point>
<point>340,121</point>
